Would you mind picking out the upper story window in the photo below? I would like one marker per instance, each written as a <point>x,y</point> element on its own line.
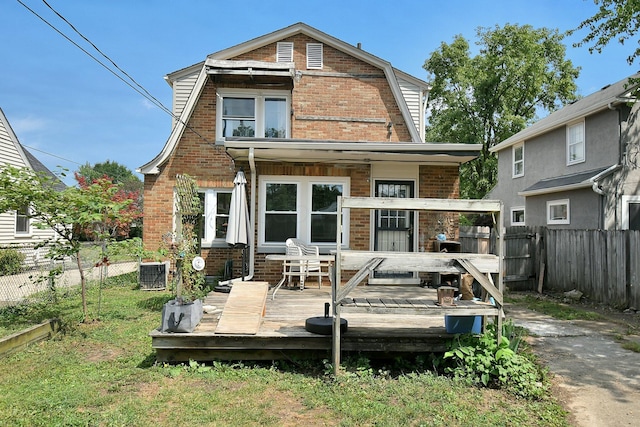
<point>517,215</point>
<point>558,212</point>
<point>518,160</point>
<point>284,52</point>
<point>261,114</point>
<point>22,221</point>
<point>314,55</point>
<point>575,143</point>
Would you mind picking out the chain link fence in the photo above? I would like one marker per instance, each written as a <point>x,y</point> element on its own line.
<point>39,276</point>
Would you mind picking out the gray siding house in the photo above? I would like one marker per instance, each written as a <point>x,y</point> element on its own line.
<point>577,168</point>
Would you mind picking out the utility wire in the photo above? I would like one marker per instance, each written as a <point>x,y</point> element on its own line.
<point>139,89</point>
<point>52,155</point>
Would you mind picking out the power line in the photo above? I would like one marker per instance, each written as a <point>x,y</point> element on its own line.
<point>52,155</point>
<point>139,89</point>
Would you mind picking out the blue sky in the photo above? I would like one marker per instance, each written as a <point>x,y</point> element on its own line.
<point>69,110</point>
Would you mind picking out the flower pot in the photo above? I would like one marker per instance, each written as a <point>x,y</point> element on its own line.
<point>181,317</point>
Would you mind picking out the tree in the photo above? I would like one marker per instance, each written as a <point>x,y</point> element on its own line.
<point>129,184</point>
<point>90,207</point>
<point>488,97</point>
<point>615,19</point>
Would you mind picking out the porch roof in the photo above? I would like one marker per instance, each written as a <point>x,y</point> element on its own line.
<point>296,150</point>
<point>566,182</point>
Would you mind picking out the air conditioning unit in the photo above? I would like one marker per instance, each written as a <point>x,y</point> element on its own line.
<point>153,276</point>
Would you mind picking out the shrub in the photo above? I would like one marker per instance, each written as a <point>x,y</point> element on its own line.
<point>480,360</point>
<point>11,262</point>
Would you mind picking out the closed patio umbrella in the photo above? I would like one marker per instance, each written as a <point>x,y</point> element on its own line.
<point>239,225</point>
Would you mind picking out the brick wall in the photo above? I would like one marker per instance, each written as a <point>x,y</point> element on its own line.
<point>348,100</point>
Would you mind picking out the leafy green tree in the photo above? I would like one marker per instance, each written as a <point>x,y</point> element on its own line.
<point>119,174</point>
<point>122,176</point>
<point>90,207</point>
<point>615,20</point>
<point>484,99</point>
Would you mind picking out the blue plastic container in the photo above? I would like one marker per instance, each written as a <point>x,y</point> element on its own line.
<point>463,324</point>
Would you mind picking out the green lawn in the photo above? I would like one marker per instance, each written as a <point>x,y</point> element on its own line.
<point>104,374</point>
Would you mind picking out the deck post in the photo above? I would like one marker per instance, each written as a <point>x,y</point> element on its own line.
<point>336,339</point>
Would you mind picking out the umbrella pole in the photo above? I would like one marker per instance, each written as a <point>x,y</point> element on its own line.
<point>244,251</point>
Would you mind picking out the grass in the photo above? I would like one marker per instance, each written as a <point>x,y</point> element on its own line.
<point>104,373</point>
<point>556,309</point>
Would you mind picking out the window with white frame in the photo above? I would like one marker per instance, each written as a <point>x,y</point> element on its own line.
<point>517,215</point>
<point>518,160</point>
<point>575,143</point>
<point>215,216</point>
<point>22,221</point>
<point>299,206</point>
<point>260,114</point>
<point>631,212</point>
<point>314,55</point>
<point>558,212</point>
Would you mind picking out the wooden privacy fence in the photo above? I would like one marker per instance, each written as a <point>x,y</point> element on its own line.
<point>604,265</point>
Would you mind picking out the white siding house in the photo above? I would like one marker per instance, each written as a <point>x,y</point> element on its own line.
<point>16,228</point>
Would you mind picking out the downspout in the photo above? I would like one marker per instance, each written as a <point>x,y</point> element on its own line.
<point>252,244</point>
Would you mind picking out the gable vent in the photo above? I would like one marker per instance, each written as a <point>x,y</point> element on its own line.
<point>284,52</point>
<point>314,55</point>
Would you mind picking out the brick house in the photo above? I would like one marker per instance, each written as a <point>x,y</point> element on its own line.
<point>307,117</point>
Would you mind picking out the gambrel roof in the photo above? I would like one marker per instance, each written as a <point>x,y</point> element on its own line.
<point>398,82</point>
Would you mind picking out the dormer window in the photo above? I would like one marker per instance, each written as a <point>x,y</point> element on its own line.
<point>314,56</point>
<point>284,52</point>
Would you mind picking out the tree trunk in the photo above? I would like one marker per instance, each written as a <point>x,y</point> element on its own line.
<point>83,284</point>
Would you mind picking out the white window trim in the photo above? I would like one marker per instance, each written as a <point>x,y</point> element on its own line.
<point>303,208</point>
<point>514,209</point>
<point>17,233</point>
<point>584,143</point>
<point>259,96</point>
<point>514,162</point>
<point>284,52</point>
<point>626,200</point>
<point>210,199</point>
<point>560,202</point>
<point>315,56</point>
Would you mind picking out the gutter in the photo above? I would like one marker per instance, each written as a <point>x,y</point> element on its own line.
<point>594,179</point>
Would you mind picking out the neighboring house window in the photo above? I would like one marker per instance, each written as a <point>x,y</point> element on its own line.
<point>22,221</point>
<point>518,160</point>
<point>314,55</point>
<point>558,212</point>
<point>575,143</point>
<point>215,217</point>
<point>298,206</point>
<point>517,215</point>
<point>284,52</point>
<point>263,114</point>
<point>630,212</point>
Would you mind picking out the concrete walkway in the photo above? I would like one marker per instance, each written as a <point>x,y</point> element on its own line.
<point>599,381</point>
<point>16,288</point>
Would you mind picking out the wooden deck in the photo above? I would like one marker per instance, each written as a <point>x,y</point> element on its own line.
<point>281,334</point>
